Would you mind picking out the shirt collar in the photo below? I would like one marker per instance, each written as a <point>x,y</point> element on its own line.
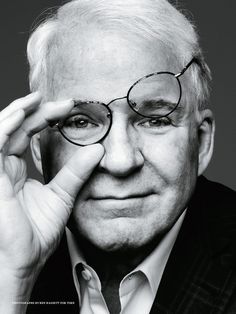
<point>76,256</point>
<point>154,264</point>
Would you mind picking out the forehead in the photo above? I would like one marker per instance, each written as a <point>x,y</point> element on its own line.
<point>98,65</point>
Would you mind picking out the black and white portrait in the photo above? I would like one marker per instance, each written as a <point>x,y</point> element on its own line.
<point>117,157</point>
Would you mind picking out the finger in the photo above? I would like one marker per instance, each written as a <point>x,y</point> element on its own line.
<point>69,180</point>
<point>28,103</point>
<point>37,121</point>
<point>9,126</point>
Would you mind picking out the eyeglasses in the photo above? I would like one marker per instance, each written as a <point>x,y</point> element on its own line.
<point>155,96</point>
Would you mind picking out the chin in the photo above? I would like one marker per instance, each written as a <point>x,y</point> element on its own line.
<point>116,235</point>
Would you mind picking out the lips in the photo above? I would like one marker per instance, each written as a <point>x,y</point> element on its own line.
<point>119,197</point>
<point>114,205</point>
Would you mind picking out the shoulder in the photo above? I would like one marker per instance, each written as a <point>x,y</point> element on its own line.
<point>215,195</point>
<point>213,208</point>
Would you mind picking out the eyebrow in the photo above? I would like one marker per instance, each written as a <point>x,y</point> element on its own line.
<point>165,105</point>
<point>178,111</point>
<point>160,103</point>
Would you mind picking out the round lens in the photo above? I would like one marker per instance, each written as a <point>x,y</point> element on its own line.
<point>87,124</point>
<point>156,95</point>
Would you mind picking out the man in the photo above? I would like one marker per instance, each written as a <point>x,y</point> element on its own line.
<point>122,131</point>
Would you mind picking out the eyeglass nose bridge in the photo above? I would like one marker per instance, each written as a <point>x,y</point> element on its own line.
<point>115,99</point>
<point>128,102</point>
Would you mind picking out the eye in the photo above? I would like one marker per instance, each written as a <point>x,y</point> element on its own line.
<point>156,122</point>
<point>79,122</point>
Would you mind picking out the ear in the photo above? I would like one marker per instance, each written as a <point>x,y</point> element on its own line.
<point>206,133</point>
<point>36,153</point>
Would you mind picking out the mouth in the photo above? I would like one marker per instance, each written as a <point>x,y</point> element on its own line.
<point>113,205</point>
<point>113,197</point>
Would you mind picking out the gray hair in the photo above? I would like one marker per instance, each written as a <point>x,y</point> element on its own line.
<point>154,20</point>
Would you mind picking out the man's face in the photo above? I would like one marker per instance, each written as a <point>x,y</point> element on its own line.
<point>145,179</point>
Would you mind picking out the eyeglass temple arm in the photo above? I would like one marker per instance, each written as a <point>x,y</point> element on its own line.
<point>194,59</point>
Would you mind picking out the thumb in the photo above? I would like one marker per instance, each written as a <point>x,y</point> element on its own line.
<point>70,179</point>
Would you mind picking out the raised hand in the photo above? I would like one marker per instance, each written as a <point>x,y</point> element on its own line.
<point>32,215</point>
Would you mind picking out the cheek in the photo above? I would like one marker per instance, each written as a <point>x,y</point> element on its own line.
<point>55,152</point>
<point>173,155</point>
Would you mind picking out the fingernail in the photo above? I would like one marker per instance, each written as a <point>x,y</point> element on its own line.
<point>72,101</point>
<point>69,102</point>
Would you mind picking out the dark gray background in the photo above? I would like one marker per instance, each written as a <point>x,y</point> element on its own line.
<point>216,23</point>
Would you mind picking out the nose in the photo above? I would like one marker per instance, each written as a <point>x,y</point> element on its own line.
<point>122,154</point>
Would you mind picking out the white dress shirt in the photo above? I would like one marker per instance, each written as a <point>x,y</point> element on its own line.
<point>137,289</point>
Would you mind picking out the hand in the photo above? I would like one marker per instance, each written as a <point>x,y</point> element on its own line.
<point>32,215</point>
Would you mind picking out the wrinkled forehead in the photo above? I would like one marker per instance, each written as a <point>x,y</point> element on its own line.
<point>93,61</point>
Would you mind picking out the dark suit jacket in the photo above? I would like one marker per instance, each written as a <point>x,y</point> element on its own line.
<point>200,275</point>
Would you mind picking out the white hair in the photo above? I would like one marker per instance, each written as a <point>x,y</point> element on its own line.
<point>154,20</point>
